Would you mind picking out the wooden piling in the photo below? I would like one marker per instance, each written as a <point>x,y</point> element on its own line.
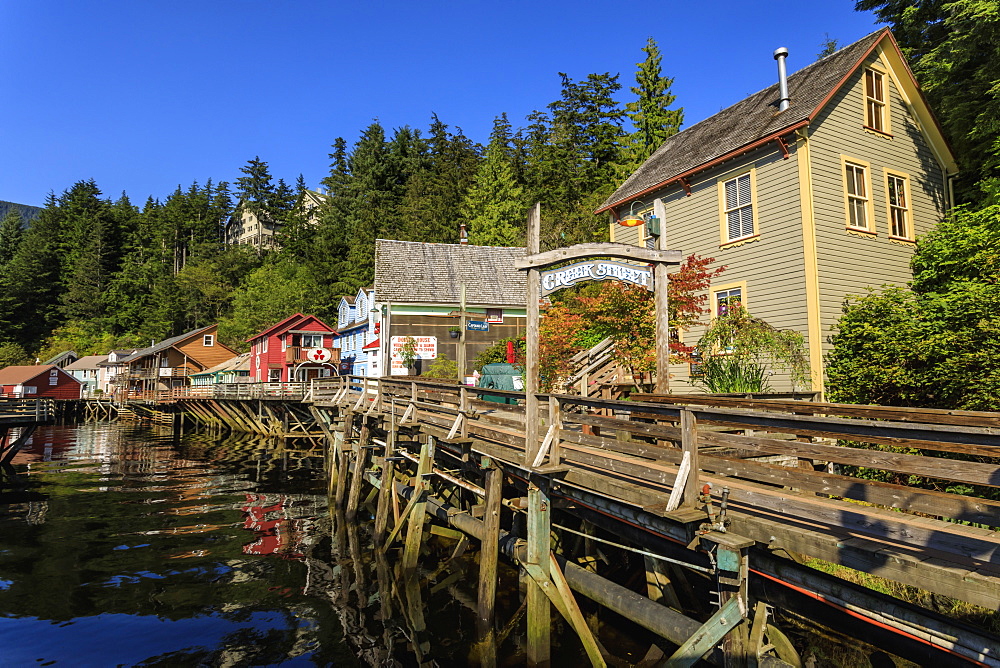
<point>489,553</point>
<point>415,527</point>
<point>539,612</point>
<point>388,474</point>
<point>359,452</point>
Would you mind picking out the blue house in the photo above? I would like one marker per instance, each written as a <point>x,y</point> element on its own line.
<point>356,328</point>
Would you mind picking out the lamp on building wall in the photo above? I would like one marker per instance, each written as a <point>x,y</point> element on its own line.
<point>632,220</point>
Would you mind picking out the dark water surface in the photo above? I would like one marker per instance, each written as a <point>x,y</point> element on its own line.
<point>122,546</point>
<point>127,546</point>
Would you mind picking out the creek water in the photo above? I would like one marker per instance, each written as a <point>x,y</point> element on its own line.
<point>129,546</point>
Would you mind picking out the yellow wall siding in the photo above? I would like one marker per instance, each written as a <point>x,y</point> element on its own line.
<point>770,265</point>
<point>849,263</point>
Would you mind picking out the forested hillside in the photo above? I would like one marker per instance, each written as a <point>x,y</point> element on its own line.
<point>94,272</point>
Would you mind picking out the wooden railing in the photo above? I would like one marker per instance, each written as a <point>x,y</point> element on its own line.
<point>21,409</point>
<point>291,391</point>
<point>791,470</point>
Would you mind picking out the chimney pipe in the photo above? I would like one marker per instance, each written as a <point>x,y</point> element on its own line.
<point>463,235</point>
<point>783,100</point>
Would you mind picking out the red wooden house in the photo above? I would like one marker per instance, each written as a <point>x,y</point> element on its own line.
<point>38,381</point>
<point>298,348</point>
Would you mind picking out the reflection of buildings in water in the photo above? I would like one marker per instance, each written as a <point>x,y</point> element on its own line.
<point>277,532</point>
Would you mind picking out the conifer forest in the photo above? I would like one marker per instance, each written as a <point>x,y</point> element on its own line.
<point>94,272</point>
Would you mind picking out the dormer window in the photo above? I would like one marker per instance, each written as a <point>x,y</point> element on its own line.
<point>875,101</point>
<point>208,340</point>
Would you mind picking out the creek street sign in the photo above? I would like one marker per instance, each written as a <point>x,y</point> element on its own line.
<point>477,326</point>
<point>595,270</point>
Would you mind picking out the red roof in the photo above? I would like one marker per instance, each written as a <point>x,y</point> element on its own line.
<point>287,324</point>
<point>371,346</point>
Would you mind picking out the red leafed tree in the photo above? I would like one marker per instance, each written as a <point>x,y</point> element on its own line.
<point>626,313</point>
<point>559,336</point>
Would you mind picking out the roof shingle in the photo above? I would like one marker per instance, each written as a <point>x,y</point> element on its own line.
<point>747,121</point>
<point>415,272</point>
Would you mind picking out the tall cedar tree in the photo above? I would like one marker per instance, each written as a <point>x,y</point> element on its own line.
<point>953,48</point>
<point>435,189</point>
<point>650,114</point>
<point>572,157</point>
<point>323,247</point>
<point>494,205</point>
<point>377,174</point>
<point>30,284</point>
<point>11,231</point>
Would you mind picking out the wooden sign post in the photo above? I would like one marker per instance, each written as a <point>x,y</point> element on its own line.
<point>660,259</point>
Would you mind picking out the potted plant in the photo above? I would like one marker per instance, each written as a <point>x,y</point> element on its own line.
<point>454,332</point>
<point>408,352</point>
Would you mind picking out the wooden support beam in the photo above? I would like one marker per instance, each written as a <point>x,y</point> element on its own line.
<point>415,526</point>
<point>708,636</point>
<point>533,288</point>
<point>360,455</point>
<point>488,574</point>
<point>539,615</point>
<point>388,475</point>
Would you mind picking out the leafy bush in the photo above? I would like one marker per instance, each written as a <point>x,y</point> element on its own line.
<point>442,368</point>
<point>738,351</point>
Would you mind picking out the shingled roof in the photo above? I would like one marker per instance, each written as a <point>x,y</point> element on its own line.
<point>163,345</point>
<point>746,122</point>
<point>414,272</point>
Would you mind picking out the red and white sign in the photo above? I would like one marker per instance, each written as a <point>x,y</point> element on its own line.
<point>318,355</point>
<point>426,350</point>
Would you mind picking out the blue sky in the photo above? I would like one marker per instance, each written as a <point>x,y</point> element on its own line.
<point>143,95</point>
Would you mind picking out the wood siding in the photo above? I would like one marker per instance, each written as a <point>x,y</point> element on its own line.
<point>849,263</point>
<point>770,265</point>
<point>205,356</point>
<point>410,324</point>
<point>275,357</point>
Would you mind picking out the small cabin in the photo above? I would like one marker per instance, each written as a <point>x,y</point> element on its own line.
<point>39,381</point>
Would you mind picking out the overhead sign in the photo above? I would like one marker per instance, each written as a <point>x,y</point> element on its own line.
<point>595,270</point>
<point>318,355</point>
<point>477,326</point>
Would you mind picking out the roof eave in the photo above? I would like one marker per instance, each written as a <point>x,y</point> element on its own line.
<point>708,165</point>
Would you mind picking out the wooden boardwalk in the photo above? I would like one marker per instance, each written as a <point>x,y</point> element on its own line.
<point>24,415</point>
<point>746,490</point>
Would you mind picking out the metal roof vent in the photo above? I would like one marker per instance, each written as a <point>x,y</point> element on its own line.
<point>783,101</point>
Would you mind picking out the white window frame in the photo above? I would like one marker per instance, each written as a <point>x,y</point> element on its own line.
<point>727,292</point>
<point>312,337</point>
<point>745,210</point>
<point>208,340</point>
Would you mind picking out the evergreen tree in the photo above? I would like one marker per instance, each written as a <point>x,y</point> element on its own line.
<point>494,205</point>
<point>953,48</point>
<point>827,47</point>
<point>11,232</point>
<point>437,185</point>
<point>650,114</point>
<point>573,158</point>
<point>30,284</point>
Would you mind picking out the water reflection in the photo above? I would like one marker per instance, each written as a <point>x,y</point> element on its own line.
<point>129,546</point>
<point>123,546</point>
